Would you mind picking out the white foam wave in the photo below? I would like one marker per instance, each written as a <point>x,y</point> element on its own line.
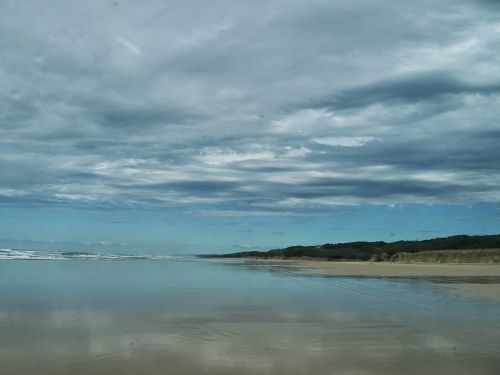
<point>14,254</point>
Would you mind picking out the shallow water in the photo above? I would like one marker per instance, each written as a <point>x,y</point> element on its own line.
<point>189,316</point>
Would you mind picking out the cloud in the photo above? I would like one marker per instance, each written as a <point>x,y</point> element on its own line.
<point>216,156</point>
<point>407,88</point>
<point>267,109</point>
<point>129,45</point>
<point>343,141</point>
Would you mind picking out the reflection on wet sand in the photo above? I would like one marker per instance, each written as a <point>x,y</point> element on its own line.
<point>285,324</point>
<point>334,345</point>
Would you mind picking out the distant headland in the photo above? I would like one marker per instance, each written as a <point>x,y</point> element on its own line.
<point>453,249</point>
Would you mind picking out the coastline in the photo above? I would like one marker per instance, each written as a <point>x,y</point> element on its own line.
<point>383,269</point>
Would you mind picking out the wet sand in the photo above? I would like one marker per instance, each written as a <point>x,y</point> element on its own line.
<point>468,290</point>
<point>482,291</point>
<point>337,346</point>
<point>244,317</point>
<point>474,290</point>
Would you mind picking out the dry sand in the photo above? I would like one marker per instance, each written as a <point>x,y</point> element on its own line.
<point>402,269</point>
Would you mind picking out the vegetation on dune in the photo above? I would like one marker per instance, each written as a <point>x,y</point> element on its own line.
<point>377,251</point>
<point>449,256</point>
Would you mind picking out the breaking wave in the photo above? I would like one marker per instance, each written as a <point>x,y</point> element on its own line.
<point>13,254</point>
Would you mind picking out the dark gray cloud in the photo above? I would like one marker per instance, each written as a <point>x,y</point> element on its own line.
<point>269,108</point>
<point>201,188</point>
<point>128,119</point>
<point>412,88</point>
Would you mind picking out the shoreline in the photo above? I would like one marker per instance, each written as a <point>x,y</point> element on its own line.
<point>384,269</point>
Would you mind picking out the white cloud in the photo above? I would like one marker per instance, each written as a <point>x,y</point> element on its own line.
<point>129,45</point>
<point>343,141</point>
<point>216,156</point>
<point>307,121</point>
<point>296,152</point>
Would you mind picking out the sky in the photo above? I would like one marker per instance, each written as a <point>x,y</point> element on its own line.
<point>204,126</point>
